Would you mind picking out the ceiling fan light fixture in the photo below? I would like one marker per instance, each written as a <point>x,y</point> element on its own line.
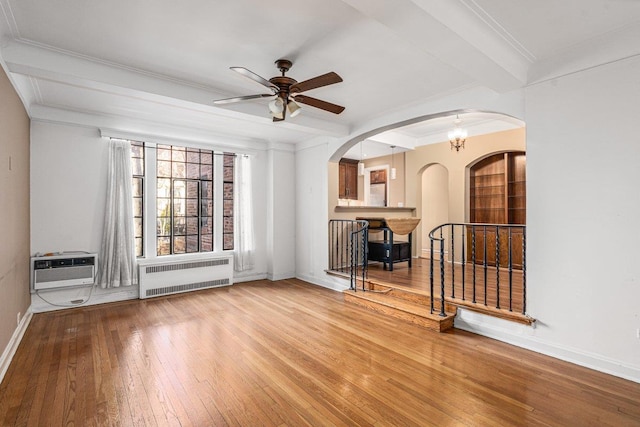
<point>293,108</point>
<point>283,88</point>
<point>276,106</point>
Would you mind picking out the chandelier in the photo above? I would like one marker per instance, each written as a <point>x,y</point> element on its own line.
<point>457,136</point>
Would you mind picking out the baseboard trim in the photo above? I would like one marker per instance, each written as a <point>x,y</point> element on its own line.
<point>334,283</point>
<point>14,342</point>
<point>281,276</point>
<point>474,322</point>
<point>113,295</point>
<point>121,295</point>
<point>249,278</point>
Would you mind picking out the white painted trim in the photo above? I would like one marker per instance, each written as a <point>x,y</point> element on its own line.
<point>281,276</point>
<point>10,19</point>
<point>7,12</point>
<point>284,147</point>
<point>131,292</point>
<point>367,183</point>
<point>122,294</point>
<point>493,328</point>
<point>215,143</point>
<point>330,282</point>
<point>14,342</point>
<point>249,278</point>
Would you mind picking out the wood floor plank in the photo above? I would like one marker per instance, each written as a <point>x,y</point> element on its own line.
<point>287,353</point>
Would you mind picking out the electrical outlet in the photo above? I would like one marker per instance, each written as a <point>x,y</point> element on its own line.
<point>638,333</point>
<point>18,321</point>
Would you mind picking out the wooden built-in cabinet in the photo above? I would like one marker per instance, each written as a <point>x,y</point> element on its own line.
<point>348,179</point>
<point>497,195</point>
<point>516,188</point>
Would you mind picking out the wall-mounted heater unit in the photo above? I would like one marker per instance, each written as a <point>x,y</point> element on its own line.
<point>65,270</point>
<point>164,277</point>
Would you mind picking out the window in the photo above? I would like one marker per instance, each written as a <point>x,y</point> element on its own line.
<point>137,172</point>
<point>227,213</point>
<point>184,200</point>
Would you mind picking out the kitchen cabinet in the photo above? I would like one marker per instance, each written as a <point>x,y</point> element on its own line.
<point>348,179</point>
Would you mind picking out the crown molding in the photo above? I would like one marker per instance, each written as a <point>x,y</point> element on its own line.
<point>612,47</point>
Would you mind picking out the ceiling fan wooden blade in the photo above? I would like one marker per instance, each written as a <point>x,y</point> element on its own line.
<point>242,98</point>
<point>256,78</point>
<point>317,103</point>
<point>316,82</point>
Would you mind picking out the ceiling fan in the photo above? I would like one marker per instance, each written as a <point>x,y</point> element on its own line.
<point>286,92</point>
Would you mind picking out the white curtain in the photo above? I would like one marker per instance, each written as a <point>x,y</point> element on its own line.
<point>243,215</point>
<point>117,258</point>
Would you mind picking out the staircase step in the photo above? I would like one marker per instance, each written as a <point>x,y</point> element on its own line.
<point>417,296</point>
<point>406,294</point>
<point>400,308</point>
<point>395,292</point>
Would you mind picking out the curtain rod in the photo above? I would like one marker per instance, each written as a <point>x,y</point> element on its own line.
<point>181,142</point>
<point>213,152</point>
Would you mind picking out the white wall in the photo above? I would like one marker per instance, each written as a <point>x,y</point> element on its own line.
<point>583,204</point>
<point>280,214</point>
<point>312,215</point>
<point>68,185</point>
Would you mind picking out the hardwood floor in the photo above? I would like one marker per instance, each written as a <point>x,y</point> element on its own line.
<point>287,353</point>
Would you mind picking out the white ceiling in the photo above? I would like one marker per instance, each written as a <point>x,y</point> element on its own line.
<point>139,65</point>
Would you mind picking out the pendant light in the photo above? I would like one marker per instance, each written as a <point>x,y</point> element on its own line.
<point>361,162</point>
<point>457,136</point>
<point>393,169</point>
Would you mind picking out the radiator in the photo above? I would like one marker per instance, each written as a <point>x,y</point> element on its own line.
<point>159,277</point>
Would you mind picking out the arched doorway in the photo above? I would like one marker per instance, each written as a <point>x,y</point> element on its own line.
<point>435,199</point>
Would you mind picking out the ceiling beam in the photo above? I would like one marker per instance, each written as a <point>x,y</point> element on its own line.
<point>455,35</point>
<point>39,62</point>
